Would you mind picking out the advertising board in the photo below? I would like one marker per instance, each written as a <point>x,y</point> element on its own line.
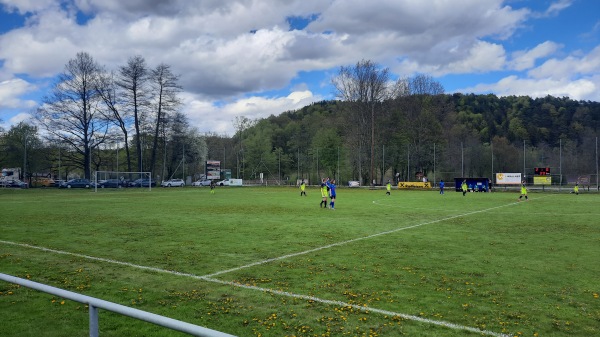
<point>508,178</point>
<point>542,180</point>
<point>213,170</point>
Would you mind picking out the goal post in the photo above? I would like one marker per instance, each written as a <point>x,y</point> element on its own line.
<point>122,179</point>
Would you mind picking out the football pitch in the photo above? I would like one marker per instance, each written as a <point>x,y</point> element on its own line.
<point>258,261</point>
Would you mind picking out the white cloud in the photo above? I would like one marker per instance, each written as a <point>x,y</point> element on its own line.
<point>430,36</point>
<point>569,67</point>
<point>225,50</point>
<point>14,120</point>
<point>20,117</point>
<point>28,6</point>
<point>522,60</point>
<point>210,43</point>
<point>11,90</point>
<point>555,8</point>
<point>581,89</point>
<point>208,117</point>
<point>572,76</point>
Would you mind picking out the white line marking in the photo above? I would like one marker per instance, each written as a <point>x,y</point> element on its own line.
<point>353,240</point>
<point>209,277</point>
<point>266,290</point>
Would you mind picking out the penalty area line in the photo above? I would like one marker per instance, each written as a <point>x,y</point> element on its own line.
<point>270,291</point>
<point>341,243</point>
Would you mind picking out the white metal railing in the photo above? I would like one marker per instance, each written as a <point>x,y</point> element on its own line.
<point>94,304</point>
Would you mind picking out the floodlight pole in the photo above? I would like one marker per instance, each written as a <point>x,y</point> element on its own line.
<point>338,162</point>
<point>492,149</point>
<point>434,181</point>
<point>408,162</point>
<point>117,156</point>
<point>560,163</point>
<point>59,161</point>
<point>524,162</point>
<point>462,160</point>
<point>383,164</point>
<point>24,155</point>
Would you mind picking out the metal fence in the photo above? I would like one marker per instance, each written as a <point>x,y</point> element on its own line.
<point>94,304</point>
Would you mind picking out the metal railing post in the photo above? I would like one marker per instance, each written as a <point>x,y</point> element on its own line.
<point>95,303</point>
<point>93,321</point>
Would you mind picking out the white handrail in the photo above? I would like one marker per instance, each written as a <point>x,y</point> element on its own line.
<point>95,303</point>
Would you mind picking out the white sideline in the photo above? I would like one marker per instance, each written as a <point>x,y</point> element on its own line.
<point>354,240</point>
<point>266,290</point>
<point>209,277</point>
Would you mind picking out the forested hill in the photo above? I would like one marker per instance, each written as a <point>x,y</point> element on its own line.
<point>520,118</point>
<point>414,133</point>
<point>442,118</point>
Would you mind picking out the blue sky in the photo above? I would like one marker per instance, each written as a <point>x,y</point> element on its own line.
<point>262,57</point>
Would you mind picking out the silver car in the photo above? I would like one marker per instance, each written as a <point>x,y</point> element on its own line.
<point>201,182</point>
<point>173,183</point>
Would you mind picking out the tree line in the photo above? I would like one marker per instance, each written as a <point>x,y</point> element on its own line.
<point>378,129</point>
<point>375,130</point>
<point>91,112</point>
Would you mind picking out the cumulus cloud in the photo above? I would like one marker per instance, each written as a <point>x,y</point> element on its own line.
<point>555,8</point>
<point>11,90</point>
<point>210,117</point>
<point>27,6</point>
<point>234,51</point>
<point>577,77</point>
<point>226,48</point>
<point>581,89</point>
<point>569,67</point>
<point>522,60</point>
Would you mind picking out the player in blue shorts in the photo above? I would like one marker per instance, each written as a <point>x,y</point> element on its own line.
<point>332,195</point>
<point>442,187</point>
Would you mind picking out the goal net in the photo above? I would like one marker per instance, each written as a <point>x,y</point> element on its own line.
<point>119,179</point>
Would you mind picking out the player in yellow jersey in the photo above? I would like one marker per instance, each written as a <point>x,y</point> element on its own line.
<point>388,187</point>
<point>324,193</point>
<point>576,189</point>
<point>464,187</point>
<point>302,188</point>
<point>523,192</point>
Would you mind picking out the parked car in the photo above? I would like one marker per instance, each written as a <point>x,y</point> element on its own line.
<point>15,183</point>
<point>173,183</point>
<point>59,182</point>
<point>142,182</point>
<point>76,183</point>
<point>111,183</point>
<point>225,182</point>
<point>202,182</point>
<point>42,182</point>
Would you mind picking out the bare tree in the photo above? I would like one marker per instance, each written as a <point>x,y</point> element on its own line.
<point>364,84</point>
<point>241,123</point>
<point>133,82</point>
<point>165,87</point>
<point>70,113</point>
<point>109,93</point>
<point>424,85</point>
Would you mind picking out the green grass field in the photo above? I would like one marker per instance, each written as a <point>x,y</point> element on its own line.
<point>267,262</point>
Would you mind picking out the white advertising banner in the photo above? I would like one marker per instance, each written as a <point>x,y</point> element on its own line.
<point>508,178</point>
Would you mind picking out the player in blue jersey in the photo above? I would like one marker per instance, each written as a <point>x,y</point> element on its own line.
<point>442,187</point>
<point>332,195</point>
